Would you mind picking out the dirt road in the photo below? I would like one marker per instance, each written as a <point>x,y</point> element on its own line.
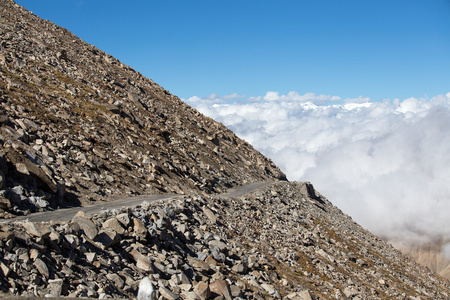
<point>65,214</point>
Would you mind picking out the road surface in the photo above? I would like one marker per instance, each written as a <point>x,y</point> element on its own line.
<point>65,214</point>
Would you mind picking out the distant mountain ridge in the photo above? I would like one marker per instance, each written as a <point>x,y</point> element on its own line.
<point>77,125</point>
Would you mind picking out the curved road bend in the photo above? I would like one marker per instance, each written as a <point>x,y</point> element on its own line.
<point>65,214</point>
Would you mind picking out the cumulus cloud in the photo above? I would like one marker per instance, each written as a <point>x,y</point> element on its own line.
<point>386,163</point>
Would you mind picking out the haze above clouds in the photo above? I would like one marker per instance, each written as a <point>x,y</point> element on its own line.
<point>384,163</point>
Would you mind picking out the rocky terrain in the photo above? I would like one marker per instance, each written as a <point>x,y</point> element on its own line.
<point>78,126</point>
<point>284,241</point>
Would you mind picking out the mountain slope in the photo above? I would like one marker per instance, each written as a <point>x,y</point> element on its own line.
<point>77,125</point>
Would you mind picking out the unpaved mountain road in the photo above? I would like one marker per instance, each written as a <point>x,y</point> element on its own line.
<point>66,214</point>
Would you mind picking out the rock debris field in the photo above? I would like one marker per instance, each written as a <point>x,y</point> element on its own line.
<point>283,241</point>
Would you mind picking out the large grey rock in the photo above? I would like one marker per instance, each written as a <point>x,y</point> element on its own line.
<point>113,224</point>
<point>106,238</point>
<point>55,287</point>
<point>37,229</point>
<point>124,219</point>
<point>86,226</point>
<point>221,246</point>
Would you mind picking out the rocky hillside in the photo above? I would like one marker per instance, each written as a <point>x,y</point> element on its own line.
<point>284,241</point>
<point>77,125</point>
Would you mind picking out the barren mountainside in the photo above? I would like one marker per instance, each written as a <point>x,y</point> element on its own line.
<point>77,125</point>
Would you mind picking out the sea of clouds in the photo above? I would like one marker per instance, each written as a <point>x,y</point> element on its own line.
<point>385,163</point>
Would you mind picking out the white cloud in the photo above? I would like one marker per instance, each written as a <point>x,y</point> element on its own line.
<point>387,163</point>
<point>295,96</point>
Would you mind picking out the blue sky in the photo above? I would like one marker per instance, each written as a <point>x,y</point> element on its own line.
<point>377,49</point>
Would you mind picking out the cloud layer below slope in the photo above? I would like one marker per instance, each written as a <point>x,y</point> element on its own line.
<point>387,163</point>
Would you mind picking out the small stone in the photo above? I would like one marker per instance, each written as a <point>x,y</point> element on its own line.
<point>91,256</point>
<point>185,287</point>
<point>34,254</point>
<point>139,227</point>
<point>7,235</point>
<point>183,279</point>
<point>236,291</point>
<point>22,168</point>
<point>199,264</point>
<point>144,265</point>
<point>240,268</point>
<point>221,288</point>
<point>211,261</point>
<point>72,240</point>
<point>167,294</point>
<point>209,213</point>
<point>146,290</point>
<point>271,290</point>
<point>55,287</point>
<point>5,270</point>
<point>124,219</point>
<point>114,224</point>
<point>118,281</point>
<point>202,290</point>
<point>5,203</point>
<point>41,267</point>
<point>189,296</point>
<point>137,255</point>
<point>220,245</point>
<point>305,295</point>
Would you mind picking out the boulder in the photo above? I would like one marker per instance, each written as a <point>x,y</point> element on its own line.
<point>202,290</point>
<point>86,226</point>
<point>37,229</point>
<point>146,290</point>
<point>106,238</point>
<point>221,288</point>
<point>113,224</point>
<point>42,267</point>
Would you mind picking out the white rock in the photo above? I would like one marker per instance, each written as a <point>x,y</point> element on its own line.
<point>146,290</point>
